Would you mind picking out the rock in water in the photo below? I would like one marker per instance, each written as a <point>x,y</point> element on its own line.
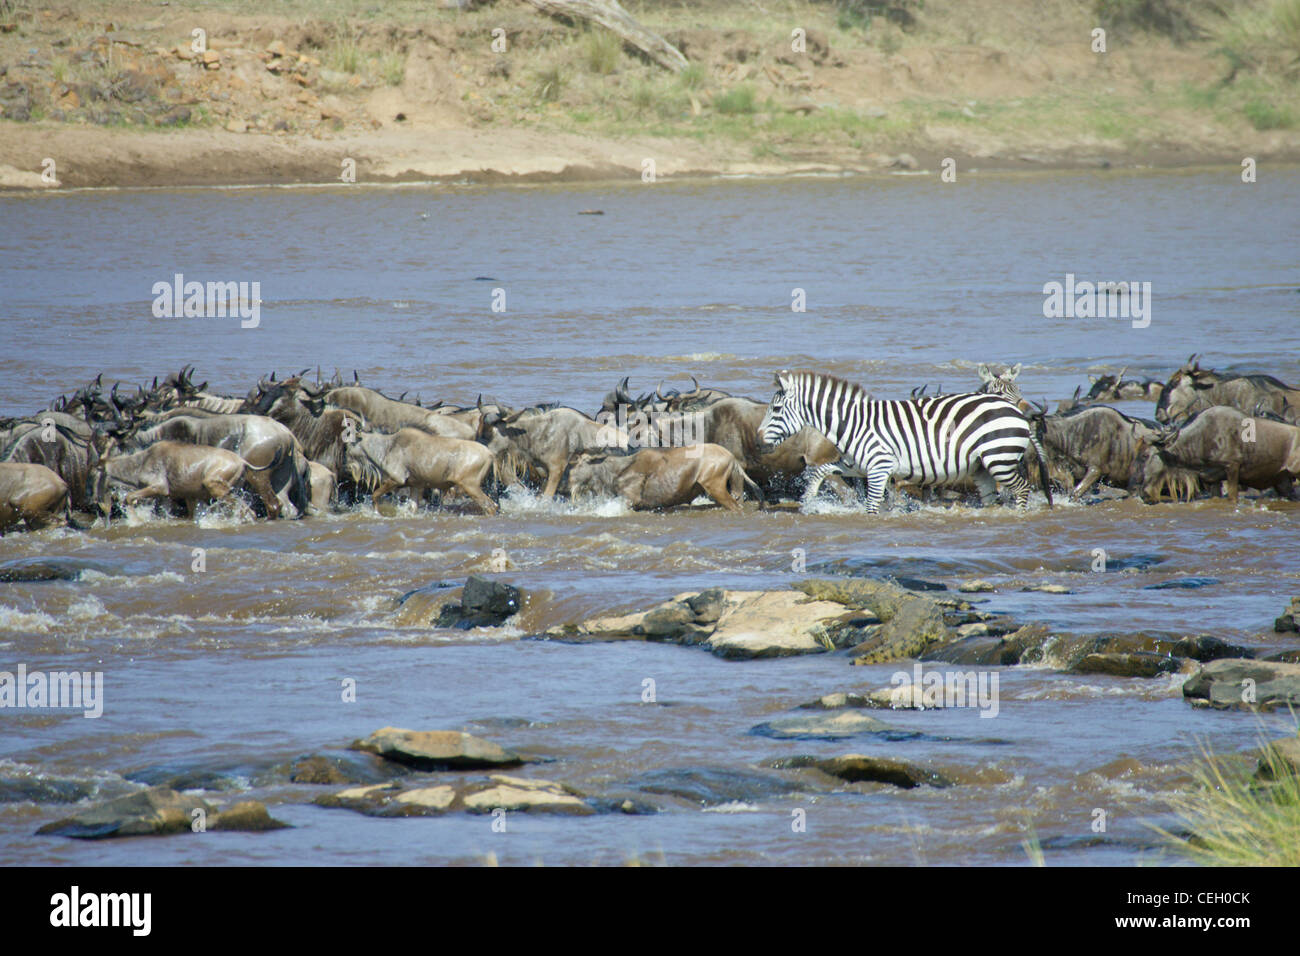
<point>856,768</point>
<point>159,811</point>
<point>437,749</point>
<point>842,724</point>
<point>1245,684</point>
<point>483,603</point>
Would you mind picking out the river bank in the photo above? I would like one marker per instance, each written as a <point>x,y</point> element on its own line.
<point>107,94</point>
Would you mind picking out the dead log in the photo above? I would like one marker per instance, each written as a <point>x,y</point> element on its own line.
<point>611,15</point>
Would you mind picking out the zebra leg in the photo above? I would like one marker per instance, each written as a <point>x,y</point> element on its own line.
<point>1009,477</point>
<point>877,478</point>
<point>816,475</point>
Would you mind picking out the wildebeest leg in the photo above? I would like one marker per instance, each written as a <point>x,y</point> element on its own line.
<point>553,475</point>
<point>150,491</point>
<point>1232,486</point>
<point>1089,479</point>
<point>385,486</point>
<point>260,482</point>
<point>716,488</point>
<point>485,503</point>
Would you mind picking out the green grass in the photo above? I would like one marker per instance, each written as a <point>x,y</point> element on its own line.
<point>1236,818</point>
<point>548,84</point>
<point>740,100</point>
<point>1264,115</point>
<point>601,51</point>
<point>392,67</point>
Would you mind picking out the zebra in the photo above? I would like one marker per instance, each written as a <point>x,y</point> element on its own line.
<point>1003,384</point>
<point>923,440</point>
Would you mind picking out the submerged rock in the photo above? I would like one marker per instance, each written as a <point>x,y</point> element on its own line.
<point>41,569</point>
<point>338,768</point>
<point>159,811</point>
<point>436,749</point>
<point>845,724</point>
<point>1245,684</point>
<point>857,768</point>
<point>713,786</point>
<point>1127,665</point>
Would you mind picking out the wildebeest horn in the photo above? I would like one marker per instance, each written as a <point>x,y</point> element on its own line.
<point>356,379</point>
<point>273,375</point>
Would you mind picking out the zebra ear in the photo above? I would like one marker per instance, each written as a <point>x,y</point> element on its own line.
<point>1015,370</point>
<point>985,374</point>
<point>782,378</point>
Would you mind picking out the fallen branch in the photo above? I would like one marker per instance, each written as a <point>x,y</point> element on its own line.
<point>610,15</point>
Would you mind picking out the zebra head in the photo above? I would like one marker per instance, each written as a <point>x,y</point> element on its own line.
<point>784,414</point>
<point>1003,385</point>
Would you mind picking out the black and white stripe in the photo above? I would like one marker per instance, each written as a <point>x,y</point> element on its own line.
<point>926,441</point>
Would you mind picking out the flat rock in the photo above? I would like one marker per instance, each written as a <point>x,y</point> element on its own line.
<point>437,749</point>
<point>524,794</point>
<point>910,624</point>
<point>1243,683</point>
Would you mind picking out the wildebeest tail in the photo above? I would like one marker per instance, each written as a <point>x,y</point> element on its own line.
<point>1042,470</point>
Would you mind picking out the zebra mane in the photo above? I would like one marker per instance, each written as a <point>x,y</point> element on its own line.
<point>850,389</point>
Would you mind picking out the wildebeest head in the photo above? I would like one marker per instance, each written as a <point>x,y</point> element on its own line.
<point>1157,474</point>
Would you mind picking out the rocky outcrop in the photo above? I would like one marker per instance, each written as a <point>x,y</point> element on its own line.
<point>1236,683</point>
<point>159,811</point>
<point>437,749</point>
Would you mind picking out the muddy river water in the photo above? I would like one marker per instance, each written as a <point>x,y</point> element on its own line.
<point>231,671</point>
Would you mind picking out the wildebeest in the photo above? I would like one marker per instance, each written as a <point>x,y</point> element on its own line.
<point>1114,388</point>
<point>31,494</point>
<point>1192,389</point>
<point>60,443</point>
<point>412,458</point>
<point>546,440</point>
<point>262,442</point>
<point>385,414</point>
<point>324,486</point>
<point>322,432</point>
<point>181,472</point>
<point>1220,444</point>
<point>1093,442</point>
<point>653,478</point>
<point>733,423</point>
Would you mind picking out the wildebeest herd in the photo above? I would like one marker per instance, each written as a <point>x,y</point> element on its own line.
<point>292,447</point>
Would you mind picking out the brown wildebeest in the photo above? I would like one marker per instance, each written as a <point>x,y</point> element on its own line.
<point>183,472</point>
<point>412,458</point>
<point>1093,443</point>
<point>1192,389</point>
<point>31,494</point>
<point>385,414</point>
<point>652,478</point>
<point>546,440</point>
<point>1220,444</point>
<point>60,443</point>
